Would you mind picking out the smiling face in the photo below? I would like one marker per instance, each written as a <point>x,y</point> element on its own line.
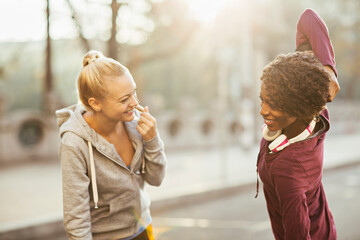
<point>120,102</point>
<point>273,118</point>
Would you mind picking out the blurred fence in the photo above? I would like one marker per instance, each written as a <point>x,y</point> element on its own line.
<point>28,135</point>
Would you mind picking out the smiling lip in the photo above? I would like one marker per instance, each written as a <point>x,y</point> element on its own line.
<point>268,121</point>
<point>130,112</point>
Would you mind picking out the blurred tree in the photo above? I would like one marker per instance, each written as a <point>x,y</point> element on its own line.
<point>9,62</point>
<point>345,22</point>
<point>171,56</point>
<point>75,17</point>
<point>136,33</point>
<point>134,25</point>
<point>47,99</point>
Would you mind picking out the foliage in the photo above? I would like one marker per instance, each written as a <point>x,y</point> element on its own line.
<point>174,59</point>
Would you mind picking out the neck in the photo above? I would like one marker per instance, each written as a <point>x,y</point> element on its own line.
<point>101,124</point>
<point>294,129</point>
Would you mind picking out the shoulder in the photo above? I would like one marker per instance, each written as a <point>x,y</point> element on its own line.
<point>72,144</point>
<point>73,152</point>
<point>72,139</point>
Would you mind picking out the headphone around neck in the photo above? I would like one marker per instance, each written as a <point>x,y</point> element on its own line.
<point>280,141</point>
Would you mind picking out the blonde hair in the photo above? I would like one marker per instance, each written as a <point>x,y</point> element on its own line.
<point>96,70</point>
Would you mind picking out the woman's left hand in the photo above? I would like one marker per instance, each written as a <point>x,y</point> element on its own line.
<point>146,125</point>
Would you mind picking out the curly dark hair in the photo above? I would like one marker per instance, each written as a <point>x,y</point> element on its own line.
<point>296,84</point>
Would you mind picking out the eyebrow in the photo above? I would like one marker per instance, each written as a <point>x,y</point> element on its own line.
<point>127,95</point>
<point>264,99</point>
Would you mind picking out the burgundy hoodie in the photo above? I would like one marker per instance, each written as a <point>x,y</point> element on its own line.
<point>295,196</point>
<point>311,29</point>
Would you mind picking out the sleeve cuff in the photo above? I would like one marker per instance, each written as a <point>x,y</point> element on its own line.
<point>153,144</point>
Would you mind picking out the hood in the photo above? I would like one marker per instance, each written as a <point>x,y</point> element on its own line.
<point>70,119</point>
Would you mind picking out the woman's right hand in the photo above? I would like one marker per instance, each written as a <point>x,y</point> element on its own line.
<point>147,125</point>
<point>334,86</point>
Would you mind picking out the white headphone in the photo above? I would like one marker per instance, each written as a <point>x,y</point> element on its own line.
<point>280,141</point>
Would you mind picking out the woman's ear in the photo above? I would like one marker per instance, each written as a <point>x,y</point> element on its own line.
<point>94,104</point>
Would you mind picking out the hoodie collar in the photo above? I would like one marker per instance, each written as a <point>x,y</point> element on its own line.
<point>71,119</point>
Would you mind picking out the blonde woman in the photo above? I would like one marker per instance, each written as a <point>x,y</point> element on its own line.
<point>108,150</point>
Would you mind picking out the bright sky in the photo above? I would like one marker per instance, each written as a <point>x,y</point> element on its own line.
<point>205,10</point>
<point>22,20</point>
<point>25,20</point>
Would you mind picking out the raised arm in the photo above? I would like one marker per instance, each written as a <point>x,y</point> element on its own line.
<point>312,35</point>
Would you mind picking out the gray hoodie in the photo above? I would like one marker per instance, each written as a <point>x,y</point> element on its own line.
<point>102,197</point>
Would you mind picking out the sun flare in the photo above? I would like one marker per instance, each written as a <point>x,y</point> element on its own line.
<point>205,10</point>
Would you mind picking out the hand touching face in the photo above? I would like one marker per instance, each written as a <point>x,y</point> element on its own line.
<point>147,125</point>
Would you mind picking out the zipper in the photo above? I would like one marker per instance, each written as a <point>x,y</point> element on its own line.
<point>121,163</point>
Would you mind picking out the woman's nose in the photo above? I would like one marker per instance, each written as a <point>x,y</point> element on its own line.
<point>264,110</point>
<point>134,101</point>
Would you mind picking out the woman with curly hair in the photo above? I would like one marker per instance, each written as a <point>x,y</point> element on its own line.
<point>294,92</point>
<point>290,161</point>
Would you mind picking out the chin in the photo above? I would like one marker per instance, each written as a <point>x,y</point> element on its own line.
<point>272,128</point>
<point>129,118</point>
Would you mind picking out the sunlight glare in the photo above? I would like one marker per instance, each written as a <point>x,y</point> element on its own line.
<point>22,20</point>
<point>205,10</point>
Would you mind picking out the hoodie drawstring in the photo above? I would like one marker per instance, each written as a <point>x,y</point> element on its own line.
<point>143,165</point>
<point>93,175</point>
<point>257,176</point>
<point>257,183</point>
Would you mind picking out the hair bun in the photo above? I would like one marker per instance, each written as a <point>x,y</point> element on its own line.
<point>91,56</point>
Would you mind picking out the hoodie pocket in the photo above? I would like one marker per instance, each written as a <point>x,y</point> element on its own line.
<point>120,214</point>
<point>123,208</point>
<point>99,213</point>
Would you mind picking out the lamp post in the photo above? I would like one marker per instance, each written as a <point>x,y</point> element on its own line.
<point>48,83</point>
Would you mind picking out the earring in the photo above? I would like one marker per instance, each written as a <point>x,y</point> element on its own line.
<point>316,118</point>
<point>270,135</point>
